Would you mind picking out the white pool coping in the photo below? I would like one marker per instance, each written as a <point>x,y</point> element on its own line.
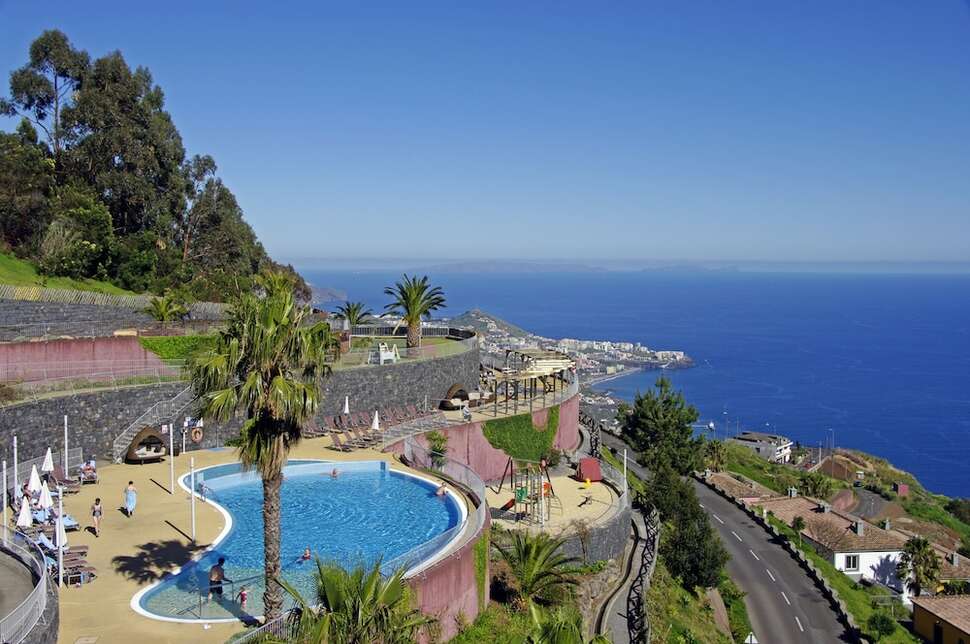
<point>430,561</point>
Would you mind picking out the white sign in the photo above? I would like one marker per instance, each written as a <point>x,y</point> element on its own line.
<point>751,639</point>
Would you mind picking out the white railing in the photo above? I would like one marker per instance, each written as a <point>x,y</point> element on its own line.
<point>17,624</point>
<point>371,355</point>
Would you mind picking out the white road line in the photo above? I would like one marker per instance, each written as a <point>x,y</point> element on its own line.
<point>756,557</point>
<point>702,506</point>
<point>785,597</point>
<point>736,535</point>
<point>718,519</point>
<point>799,622</point>
<point>769,574</point>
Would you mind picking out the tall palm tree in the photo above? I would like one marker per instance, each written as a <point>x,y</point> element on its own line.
<point>715,455</point>
<point>560,626</point>
<point>354,312</point>
<point>919,565</point>
<point>536,564</point>
<point>265,366</point>
<point>356,607</point>
<point>414,299</point>
<point>167,308</point>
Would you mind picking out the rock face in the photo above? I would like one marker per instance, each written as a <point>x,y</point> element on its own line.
<point>96,418</point>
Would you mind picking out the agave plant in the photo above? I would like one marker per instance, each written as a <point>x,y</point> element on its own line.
<point>536,564</point>
<point>356,607</point>
<point>414,299</point>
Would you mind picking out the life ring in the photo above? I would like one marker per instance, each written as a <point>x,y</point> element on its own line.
<point>196,434</point>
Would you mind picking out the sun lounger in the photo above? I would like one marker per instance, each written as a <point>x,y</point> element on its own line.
<point>338,444</point>
<point>70,486</point>
<point>352,440</point>
<point>365,437</point>
<point>88,473</point>
<point>48,546</point>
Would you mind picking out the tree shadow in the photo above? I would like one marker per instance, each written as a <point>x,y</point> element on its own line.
<point>154,560</point>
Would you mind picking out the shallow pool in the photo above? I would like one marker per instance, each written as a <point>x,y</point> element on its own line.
<point>368,512</point>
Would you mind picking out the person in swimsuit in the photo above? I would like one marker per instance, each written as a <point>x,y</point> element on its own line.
<point>131,498</point>
<point>217,575</point>
<point>242,597</point>
<point>441,491</point>
<point>96,512</point>
<point>306,554</point>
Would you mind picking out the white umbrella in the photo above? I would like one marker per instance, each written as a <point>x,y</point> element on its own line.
<point>46,501</point>
<point>25,519</point>
<point>346,404</point>
<point>60,534</point>
<point>376,425</point>
<point>33,485</point>
<point>48,465</point>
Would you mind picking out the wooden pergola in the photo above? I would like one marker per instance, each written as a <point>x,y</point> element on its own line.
<point>528,374</point>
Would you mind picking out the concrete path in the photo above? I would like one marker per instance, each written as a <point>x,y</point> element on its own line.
<point>617,610</point>
<point>16,582</point>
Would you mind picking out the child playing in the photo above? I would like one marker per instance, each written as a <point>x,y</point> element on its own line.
<point>242,597</point>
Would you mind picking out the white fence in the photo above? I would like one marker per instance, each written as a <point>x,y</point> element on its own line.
<point>75,458</point>
<point>17,624</point>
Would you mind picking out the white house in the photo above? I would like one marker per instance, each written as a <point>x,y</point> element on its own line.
<point>771,447</point>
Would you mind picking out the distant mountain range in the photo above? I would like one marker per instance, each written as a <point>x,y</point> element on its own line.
<point>518,267</point>
<point>325,294</point>
<point>479,321</point>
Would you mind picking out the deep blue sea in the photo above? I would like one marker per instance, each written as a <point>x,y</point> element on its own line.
<point>881,360</point>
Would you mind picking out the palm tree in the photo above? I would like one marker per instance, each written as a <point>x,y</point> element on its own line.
<point>414,299</point>
<point>817,485</point>
<point>356,607</point>
<point>266,366</point>
<point>919,565</point>
<point>354,312</point>
<point>715,455</point>
<point>560,626</point>
<point>536,564</point>
<point>167,308</point>
<point>798,524</point>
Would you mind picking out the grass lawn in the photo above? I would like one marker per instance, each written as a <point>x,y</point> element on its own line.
<point>19,272</point>
<point>176,347</point>
<point>676,614</point>
<point>519,438</point>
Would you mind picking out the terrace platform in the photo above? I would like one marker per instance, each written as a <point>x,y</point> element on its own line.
<point>573,502</point>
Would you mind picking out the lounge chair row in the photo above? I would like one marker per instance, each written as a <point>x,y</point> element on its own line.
<point>362,420</point>
<point>346,441</point>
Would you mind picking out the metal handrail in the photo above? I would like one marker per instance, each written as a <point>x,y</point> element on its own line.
<point>16,625</point>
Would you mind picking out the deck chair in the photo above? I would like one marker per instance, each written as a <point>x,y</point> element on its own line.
<point>59,478</point>
<point>338,445</point>
<point>88,473</point>
<point>48,546</point>
<point>352,440</point>
<point>365,437</point>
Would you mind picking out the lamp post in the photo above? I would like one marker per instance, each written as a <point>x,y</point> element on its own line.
<point>171,458</point>
<point>16,478</point>
<point>66,468</point>
<point>58,531</point>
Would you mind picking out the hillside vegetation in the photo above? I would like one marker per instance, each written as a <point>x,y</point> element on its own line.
<point>19,272</point>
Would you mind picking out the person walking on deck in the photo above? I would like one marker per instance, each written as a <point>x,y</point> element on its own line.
<point>96,512</point>
<point>131,498</point>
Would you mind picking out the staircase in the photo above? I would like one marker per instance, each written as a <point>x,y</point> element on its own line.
<point>161,412</point>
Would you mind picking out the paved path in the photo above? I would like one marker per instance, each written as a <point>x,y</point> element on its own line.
<point>616,612</point>
<point>784,605</point>
<point>16,582</point>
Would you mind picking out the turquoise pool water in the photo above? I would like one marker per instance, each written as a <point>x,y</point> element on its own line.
<point>368,512</point>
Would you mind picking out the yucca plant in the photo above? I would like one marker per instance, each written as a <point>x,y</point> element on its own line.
<point>414,299</point>
<point>356,607</point>
<point>266,366</point>
<point>536,564</point>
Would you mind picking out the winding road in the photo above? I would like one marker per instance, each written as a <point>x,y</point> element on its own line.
<point>783,603</point>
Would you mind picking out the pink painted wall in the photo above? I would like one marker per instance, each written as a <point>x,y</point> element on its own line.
<point>449,587</point>
<point>87,357</point>
<point>467,443</point>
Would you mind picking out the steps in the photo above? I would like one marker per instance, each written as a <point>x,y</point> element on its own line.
<point>161,412</point>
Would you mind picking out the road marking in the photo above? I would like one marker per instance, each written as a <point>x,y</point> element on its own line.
<point>702,506</point>
<point>718,519</point>
<point>756,558</point>
<point>799,622</point>
<point>736,535</point>
<point>769,574</point>
<point>785,597</point>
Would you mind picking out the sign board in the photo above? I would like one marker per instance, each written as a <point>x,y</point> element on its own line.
<point>751,639</point>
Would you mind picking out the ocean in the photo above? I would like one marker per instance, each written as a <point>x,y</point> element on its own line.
<point>879,362</point>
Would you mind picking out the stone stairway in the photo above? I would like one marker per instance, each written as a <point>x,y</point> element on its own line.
<point>161,412</point>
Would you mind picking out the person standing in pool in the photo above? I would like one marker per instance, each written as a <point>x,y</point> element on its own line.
<point>96,512</point>
<point>217,575</point>
<point>131,498</point>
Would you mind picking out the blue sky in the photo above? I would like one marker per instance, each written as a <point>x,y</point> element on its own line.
<point>823,131</point>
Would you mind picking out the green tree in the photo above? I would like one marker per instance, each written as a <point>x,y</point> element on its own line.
<point>919,565</point>
<point>356,607</point>
<point>354,312</point>
<point>659,427</point>
<point>816,484</point>
<point>79,240</point>
<point>881,624</point>
<point>798,524</point>
<point>266,365</point>
<point>26,179</point>
<point>692,549</point>
<point>715,455</point>
<point>41,89</point>
<point>168,308</point>
<point>558,626</point>
<point>536,564</point>
<point>198,172</point>
<point>414,299</point>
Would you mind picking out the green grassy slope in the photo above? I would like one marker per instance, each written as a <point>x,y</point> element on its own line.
<point>19,272</point>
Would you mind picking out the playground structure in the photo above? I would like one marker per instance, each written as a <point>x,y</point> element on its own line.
<point>534,497</point>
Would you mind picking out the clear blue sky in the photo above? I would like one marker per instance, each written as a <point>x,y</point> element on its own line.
<point>770,130</point>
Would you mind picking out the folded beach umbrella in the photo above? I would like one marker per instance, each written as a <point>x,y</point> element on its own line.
<point>25,519</point>
<point>60,534</point>
<point>376,425</point>
<point>48,465</point>
<point>346,404</point>
<point>46,501</point>
<point>33,485</point>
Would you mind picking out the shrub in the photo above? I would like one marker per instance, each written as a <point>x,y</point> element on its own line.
<point>438,444</point>
<point>881,625</point>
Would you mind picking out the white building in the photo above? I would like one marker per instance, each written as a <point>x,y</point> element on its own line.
<point>770,447</point>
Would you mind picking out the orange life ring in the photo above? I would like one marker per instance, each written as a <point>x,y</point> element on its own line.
<point>197,435</point>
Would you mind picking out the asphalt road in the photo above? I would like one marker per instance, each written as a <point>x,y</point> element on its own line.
<point>784,605</point>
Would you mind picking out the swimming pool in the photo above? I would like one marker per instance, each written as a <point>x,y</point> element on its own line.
<point>368,512</point>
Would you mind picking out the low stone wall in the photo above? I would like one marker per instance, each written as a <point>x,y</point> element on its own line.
<point>25,319</point>
<point>827,590</point>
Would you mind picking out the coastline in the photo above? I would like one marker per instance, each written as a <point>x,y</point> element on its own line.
<point>598,380</point>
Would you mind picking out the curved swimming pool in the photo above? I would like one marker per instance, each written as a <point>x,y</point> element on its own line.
<point>368,512</point>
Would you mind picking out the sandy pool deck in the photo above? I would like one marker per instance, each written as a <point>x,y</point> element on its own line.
<point>134,553</point>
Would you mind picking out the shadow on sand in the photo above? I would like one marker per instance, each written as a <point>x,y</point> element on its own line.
<point>152,561</point>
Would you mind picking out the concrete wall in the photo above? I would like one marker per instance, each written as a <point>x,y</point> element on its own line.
<point>96,418</point>
<point>88,357</point>
<point>467,443</point>
<point>606,539</point>
<point>24,319</point>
